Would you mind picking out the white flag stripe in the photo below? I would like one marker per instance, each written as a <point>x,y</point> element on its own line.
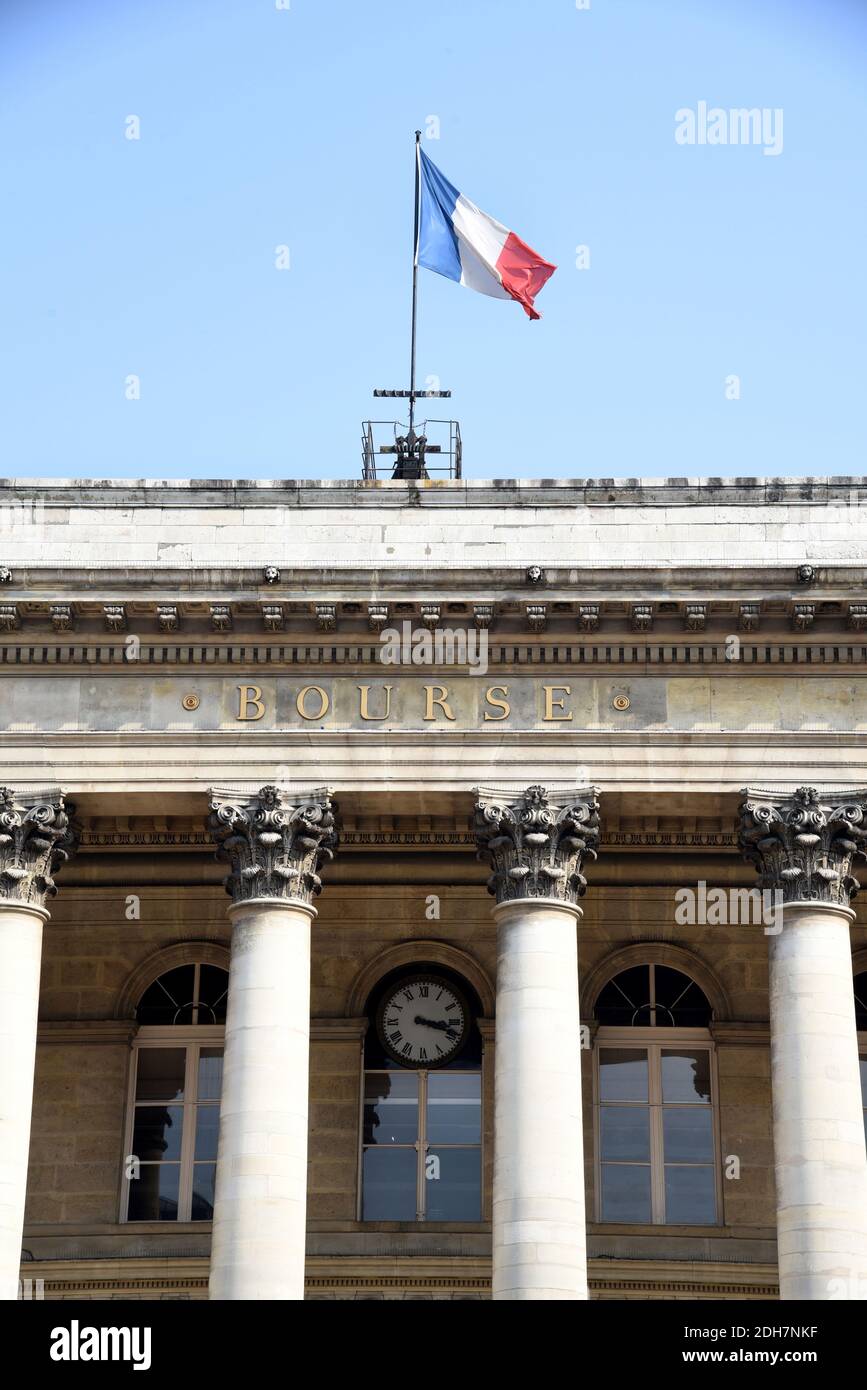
<point>480,242</point>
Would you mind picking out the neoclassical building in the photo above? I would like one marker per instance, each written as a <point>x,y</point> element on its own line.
<point>440,890</point>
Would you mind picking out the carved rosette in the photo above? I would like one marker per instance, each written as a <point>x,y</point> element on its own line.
<point>803,843</point>
<point>37,837</point>
<point>275,842</point>
<point>536,842</point>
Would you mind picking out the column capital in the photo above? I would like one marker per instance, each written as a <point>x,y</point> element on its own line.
<point>536,841</point>
<point>803,843</point>
<point>37,837</point>
<point>274,841</point>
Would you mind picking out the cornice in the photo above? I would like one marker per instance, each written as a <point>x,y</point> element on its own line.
<point>338,1030</point>
<point>312,657</point>
<point>111,1032</point>
<point>606,737</point>
<point>391,1276</point>
<point>669,587</point>
<point>184,833</point>
<point>746,1034</point>
<point>267,492</point>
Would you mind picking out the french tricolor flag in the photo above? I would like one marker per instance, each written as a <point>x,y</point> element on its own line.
<point>458,240</point>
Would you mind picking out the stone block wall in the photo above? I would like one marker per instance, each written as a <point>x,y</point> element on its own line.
<point>91,950</point>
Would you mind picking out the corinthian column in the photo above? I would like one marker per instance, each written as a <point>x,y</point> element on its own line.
<point>803,846</point>
<point>35,839</point>
<point>535,844</point>
<point>275,844</point>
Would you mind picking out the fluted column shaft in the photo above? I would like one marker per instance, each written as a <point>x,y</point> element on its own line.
<point>539,1244</point>
<point>820,1159</point>
<point>803,845</point>
<point>20,960</point>
<point>274,844</point>
<point>535,844</point>
<point>260,1205</point>
<point>36,838</point>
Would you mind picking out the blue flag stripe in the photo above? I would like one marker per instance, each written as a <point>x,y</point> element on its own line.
<point>437,242</point>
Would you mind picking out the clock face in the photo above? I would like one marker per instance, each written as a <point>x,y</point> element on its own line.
<point>423,1022</point>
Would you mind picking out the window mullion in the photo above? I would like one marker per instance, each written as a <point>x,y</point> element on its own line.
<point>185,1189</point>
<point>421,1192</point>
<point>129,1131</point>
<point>657,1156</point>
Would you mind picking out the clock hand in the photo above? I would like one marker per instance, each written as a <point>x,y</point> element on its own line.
<point>432,1023</point>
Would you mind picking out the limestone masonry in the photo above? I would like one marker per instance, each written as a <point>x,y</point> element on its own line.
<point>343,833</point>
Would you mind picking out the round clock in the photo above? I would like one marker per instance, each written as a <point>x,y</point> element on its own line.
<point>423,1022</point>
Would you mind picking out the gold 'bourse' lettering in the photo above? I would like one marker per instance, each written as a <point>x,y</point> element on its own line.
<point>553,702</point>
<point>250,697</point>
<point>497,697</point>
<point>364,703</point>
<point>442,700</point>
<point>301,702</point>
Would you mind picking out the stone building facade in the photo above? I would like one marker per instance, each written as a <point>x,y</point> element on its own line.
<point>433,890</point>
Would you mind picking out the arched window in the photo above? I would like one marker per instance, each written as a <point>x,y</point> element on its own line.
<point>657,1151</point>
<point>861,1024</point>
<point>860,983</point>
<point>421,1140</point>
<point>174,1110</point>
<point>653,996</point>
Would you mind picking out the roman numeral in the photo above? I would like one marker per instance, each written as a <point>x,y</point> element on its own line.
<point>392,1022</point>
<point>408,994</point>
<point>423,1054</point>
<point>423,991</point>
<point>406,1049</point>
<point>449,1007</point>
<point>395,1037</point>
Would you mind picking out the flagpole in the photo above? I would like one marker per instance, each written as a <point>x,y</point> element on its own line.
<point>414,278</point>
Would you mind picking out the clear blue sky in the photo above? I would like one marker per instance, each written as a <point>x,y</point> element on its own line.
<point>262,127</point>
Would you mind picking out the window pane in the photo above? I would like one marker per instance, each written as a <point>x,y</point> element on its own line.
<point>622,1074</point>
<point>388,1185</point>
<point>213,993</point>
<point>625,1132</point>
<point>204,1177</point>
<point>453,1184</point>
<point>207,1128</point>
<point>391,1108</point>
<point>861,1002</point>
<point>620,998</point>
<point>153,1195</point>
<point>454,1108</point>
<point>157,1132</point>
<point>863,1061</point>
<point>160,1074</point>
<point>686,1076</point>
<point>210,1073</point>
<point>161,1001</point>
<point>689,1195</point>
<point>625,1192</point>
<point>679,1001</point>
<point>688,1137</point>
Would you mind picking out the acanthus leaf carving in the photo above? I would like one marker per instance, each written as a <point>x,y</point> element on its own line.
<point>275,842</point>
<point>536,842</point>
<point>37,837</point>
<point>803,843</point>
